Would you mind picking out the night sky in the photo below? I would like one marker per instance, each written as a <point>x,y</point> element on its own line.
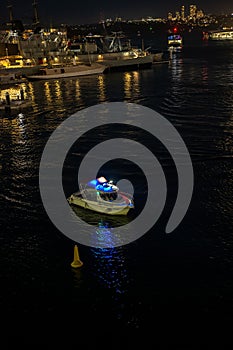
<point>90,11</point>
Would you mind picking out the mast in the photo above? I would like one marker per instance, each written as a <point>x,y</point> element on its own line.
<point>36,21</point>
<point>14,25</point>
<point>10,13</point>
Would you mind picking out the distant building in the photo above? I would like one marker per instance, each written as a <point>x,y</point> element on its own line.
<point>177,15</point>
<point>169,16</point>
<point>200,14</point>
<point>192,12</point>
<point>182,12</point>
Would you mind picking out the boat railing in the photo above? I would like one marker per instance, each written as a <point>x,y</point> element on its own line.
<point>130,196</point>
<point>82,190</point>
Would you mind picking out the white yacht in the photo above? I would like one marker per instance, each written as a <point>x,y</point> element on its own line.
<point>221,35</point>
<point>68,71</point>
<point>102,196</point>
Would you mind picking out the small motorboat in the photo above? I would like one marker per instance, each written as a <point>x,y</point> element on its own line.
<point>102,196</point>
<point>175,41</point>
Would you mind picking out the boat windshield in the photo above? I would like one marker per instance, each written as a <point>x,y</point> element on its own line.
<point>101,184</point>
<point>108,196</point>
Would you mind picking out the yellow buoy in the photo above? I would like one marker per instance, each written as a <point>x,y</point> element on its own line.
<point>76,262</point>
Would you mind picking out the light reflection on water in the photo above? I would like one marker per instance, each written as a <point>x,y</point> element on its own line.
<point>110,267</point>
<point>14,91</point>
<point>47,91</point>
<point>101,85</point>
<point>131,85</point>
<point>104,226</point>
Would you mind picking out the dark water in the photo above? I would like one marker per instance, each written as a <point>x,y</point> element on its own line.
<point>172,289</point>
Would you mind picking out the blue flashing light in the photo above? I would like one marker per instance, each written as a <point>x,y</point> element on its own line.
<point>93,183</point>
<point>104,188</point>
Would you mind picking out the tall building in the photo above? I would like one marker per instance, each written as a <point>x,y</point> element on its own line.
<point>182,13</point>
<point>200,14</point>
<point>169,16</point>
<point>177,15</point>
<point>192,11</point>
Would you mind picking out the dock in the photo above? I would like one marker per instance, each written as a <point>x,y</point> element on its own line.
<point>9,107</point>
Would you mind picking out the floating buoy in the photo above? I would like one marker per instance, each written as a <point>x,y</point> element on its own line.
<point>76,262</point>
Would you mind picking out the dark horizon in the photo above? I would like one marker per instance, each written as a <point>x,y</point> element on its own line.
<point>71,13</point>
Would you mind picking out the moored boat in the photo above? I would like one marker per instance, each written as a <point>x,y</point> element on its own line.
<point>133,62</point>
<point>14,101</point>
<point>68,71</point>
<point>220,34</point>
<point>160,56</point>
<point>9,78</point>
<point>114,51</point>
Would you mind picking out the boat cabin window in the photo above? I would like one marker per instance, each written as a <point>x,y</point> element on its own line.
<point>108,196</point>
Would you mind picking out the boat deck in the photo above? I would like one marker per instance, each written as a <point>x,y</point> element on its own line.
<point>68,71</point>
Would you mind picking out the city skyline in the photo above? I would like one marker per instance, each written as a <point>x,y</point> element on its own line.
<point>72,12</point>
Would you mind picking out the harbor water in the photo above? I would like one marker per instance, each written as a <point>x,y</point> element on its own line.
<point>173,288</point>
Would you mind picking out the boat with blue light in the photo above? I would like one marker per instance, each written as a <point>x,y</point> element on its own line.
<point>174,39</point>
<point>102,196</point>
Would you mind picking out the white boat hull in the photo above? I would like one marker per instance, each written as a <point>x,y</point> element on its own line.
<point>99,207</point>
<point>221,35</point>
<point>136,62</point>
<point>68,72</point>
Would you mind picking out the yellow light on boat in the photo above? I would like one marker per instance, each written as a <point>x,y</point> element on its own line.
<point>19,62</point>
<point>100,57</point>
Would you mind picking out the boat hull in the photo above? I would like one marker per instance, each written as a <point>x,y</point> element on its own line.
<point>130,63</point>
<point>68,73</point>
<point>11,79</point>
<point>97,207</point>
<point>221,35</point>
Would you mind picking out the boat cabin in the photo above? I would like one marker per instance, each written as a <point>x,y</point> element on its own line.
<point>174,40</point>
<point>105,190</point>
<point>107,196</point>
